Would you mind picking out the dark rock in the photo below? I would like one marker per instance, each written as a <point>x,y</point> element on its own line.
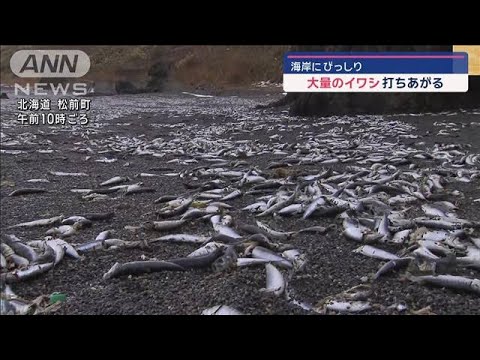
<point>158,75</point>
<point>126,87</point>
<point>4,96</point>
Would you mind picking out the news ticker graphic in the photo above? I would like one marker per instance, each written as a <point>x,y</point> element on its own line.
<point>473,52</point>
<point>375,72</point>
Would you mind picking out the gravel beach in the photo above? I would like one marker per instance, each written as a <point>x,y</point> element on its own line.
<point>122,123</point>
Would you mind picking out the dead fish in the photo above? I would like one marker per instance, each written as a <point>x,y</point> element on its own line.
<point>224,239</point>
<point>260,252</point>
<point>432,211</point>
<point>277,235</point>
<point>26,191</point>
<point>20,248</point>
<point>313,206</point>
<point>41,222</point>
<point>30,272</point>
<point>140,267</point>
<point>423,252</point>
<point>383,228</point>
<point>292,209</point>
<point>226,230</point>
<point>73,219</point>
<point>192,214</point>
<point>147,175</point>
<point>208,196</point>
<point>251,261</point>
<point>329,211</point>
<point>275,281</point>
<point>296,258</point>
<point>58,249</point>
<point>63,230</point>
<point>219,204</point>
<point>221,310</point>
<point>165,198</point>
<point>198,262</point>
<point>185,238</point>
<point>256,207</point>
<point>69,249</point>
<point>180,209</point>
<point>15,307</point>
<point>48,254</point>
<point>280,204</point>
<point>405,199</point>
<point>435,247</point>
<point>60,173</point>
<point>395,264</point>
<point>317,229</point>
<point>347,306</point>
<point>98,216</point>
<point>476,242</point>
<point>234,194</point>
<point>163,225</point>
<point>206,249</point>
<point>115,180</point>
<point>401,236</point>
<point>437,224</point>
<point>91,246</point>
<point>10,255</point>
<point>449,281</point>
<point>375,253</point>
<point>38,181</point>
<point>81,191</point>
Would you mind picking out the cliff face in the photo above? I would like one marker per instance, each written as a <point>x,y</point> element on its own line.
<point>308,104</point>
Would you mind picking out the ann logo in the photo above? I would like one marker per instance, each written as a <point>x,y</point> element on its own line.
<point>50,63</point>
<point>57,65</point>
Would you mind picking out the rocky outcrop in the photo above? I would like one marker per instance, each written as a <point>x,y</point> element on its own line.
<point>308,104</point>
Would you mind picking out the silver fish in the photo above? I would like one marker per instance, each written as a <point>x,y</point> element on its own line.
<point>375,253</point>
<point>296,258</point>
<point>60,173</point>
<point>277,235</point>
<point>256,207</point>
<point>260,252</point>
<point>401,236</point>
<point>347,306</point>
<point>20,248</point>
<point>41,222</point>
<point>104,235</point>
<point>450,281</point>
<point>69,249</point>
<point>185,238</point>
<point>25,274</point>
<point>90,246</point>
<point>58,249</point>
<point>275,280</point>
<point>72,220</point>
<point>313,206</point>
<point>250,261</point>
<point>166,225</point>
<point>206,249</point>
<point>234,194</point>
<point>115,180</point>
<point>221,310</point>
<point>280,205</point>
<point>291,209</point>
